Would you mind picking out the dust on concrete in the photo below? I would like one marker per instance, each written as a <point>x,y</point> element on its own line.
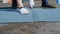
<point>31,28</point>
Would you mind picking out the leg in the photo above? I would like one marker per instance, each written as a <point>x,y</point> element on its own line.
<point>14,4</point>
<point>32,3</point>
<point>20,4</point>
<point>46,4</point>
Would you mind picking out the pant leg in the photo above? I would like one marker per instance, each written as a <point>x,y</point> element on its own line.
<point>14,4</point>
<point>44,2</point>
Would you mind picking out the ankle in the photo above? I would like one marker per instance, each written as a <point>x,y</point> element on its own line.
<point>21,7</point>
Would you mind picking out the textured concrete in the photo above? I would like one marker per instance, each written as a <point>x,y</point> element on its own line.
<point>31,28</point>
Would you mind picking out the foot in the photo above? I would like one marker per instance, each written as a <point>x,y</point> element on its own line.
<point>23,11</point>
<point>32,3</point>
<point>48,6</point>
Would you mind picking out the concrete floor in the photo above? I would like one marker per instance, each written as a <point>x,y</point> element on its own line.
<point>31,28</point>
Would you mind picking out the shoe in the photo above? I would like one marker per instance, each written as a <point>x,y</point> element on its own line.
<point>32,3</point>
<point>48,6</point>
<point>23,11</point>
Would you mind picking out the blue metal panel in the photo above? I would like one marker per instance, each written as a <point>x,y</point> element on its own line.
<point>46,14</point>
<point>37,14</point>
<point>13,16</point>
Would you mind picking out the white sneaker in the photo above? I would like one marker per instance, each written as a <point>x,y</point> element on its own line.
<point>23,11</point>
<point>32,3</point>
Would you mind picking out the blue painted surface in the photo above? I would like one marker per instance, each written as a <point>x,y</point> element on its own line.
<point>37,14</point>
<point>14,16</point>
<point>40,14</point>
